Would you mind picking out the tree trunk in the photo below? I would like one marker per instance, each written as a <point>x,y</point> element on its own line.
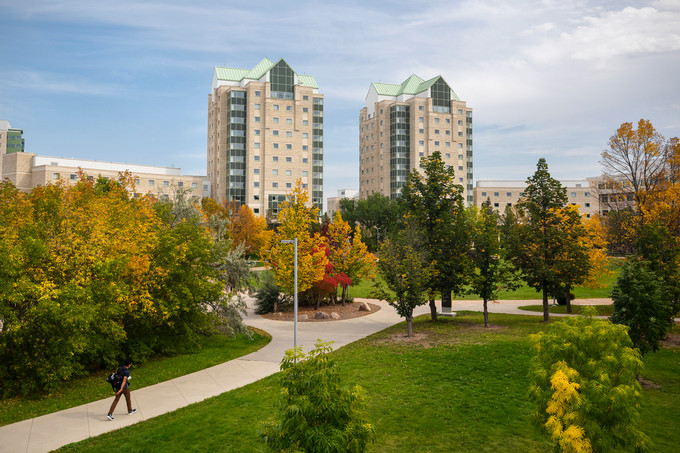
<point>318,301</point>
<point>546,312</point>
<point>344,292</point>
<point>568,299</point>
<point>486,314</point>
<point>433,310</point>
<point>409,325</point>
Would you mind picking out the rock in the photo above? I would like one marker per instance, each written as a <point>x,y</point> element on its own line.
<point>321,315</point>
<point>334,315</point>
<point>279,314</point>
<point>363,306</point>
<point>302,317</point>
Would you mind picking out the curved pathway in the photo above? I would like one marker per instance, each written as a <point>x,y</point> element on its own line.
<point>54,430</point>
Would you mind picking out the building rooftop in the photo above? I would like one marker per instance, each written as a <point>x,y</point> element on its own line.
<point>413,85</point>
<point>260,69</point>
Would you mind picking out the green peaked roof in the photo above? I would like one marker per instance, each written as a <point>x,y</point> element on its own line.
<point>413,85</point>
<point>260,69</point>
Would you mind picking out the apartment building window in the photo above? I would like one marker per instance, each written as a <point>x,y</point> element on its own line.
<point>573,195</point>
<point>436,131</point>
<point>448,132</point>
<point>257,106</point>
<point>257,119</point>
<point>289,146</point>
<point>460,145</point>
<point>460,134</point>
<point>460,111</point>
<point>275,106</point>
<point>305,122</point>
<point>305,109</point>
<point>256,184</point>
<point>257,145</point>
<point>495,205</point>
<point>448,120</point>
<point>305,135</point>
<point>421,119</point>
<point>289,121</point>
<point>305,173</point>
<point>436,120</point>
<point>448,144</point>
<point>509,194</point>
<point>275,132</point>
<point>304,147</point>
<point>289,185</point>
<point>305,98</point>
<point>282,80</point>
<point>194,185</point>
<point>151,182</point>
<point>289,172</point>
<point>305,160</point>
<point>257,93</point>
<point>448,156</point>
<point>256,171</point>
<point>460,122</point>
<point>289,159</point>
<point>484,194</point>
<point>460,156</point>
<point>166,183</point>
<point>421,142</point>
<point>256,197</point>
<point>256,157</point>
<point>275,185</point>
<point>420,107</point>
<point>289,134</point>
<point>180,184</point>
<point>460,168</point>
<point>495,194</point>
<point>275,146</point>
<point>275,172</point>
<point>587,205</point>
<point>275,158</point>
<point>275,120</point>
<point>74,177</point>
<point>257,132</point>
<point>587,194</point>
<point>288,108</point>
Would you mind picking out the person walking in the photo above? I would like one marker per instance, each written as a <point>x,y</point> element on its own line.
<point>124,389</point>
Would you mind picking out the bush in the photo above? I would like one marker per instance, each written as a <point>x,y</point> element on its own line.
<point>561,300</point>
<point>583,381</point>
<point>315,413</point>
<point>640,302</point>
<point>269,298</point>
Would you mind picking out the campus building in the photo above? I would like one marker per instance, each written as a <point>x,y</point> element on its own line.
<point>11,140</point>
<point>401,124</point>
<point>501,193</point>
<point>333,203</point>
<point>265,131</point>
<point>28,170</point>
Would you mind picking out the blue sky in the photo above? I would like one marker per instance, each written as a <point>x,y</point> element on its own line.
<point>128,81</point>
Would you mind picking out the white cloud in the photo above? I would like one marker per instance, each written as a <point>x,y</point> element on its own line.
<point>37,81</point>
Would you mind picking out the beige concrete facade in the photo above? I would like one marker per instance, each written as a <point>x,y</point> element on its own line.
<point>333,203</point>
<point>400,125</point>
<point>502,193</point>
<point>264,135</point>
<point>28,170</point>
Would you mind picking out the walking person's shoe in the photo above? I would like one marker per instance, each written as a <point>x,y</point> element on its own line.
<point>109,416</point>
<point>132,411</point>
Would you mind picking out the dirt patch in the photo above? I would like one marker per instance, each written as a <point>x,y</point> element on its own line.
<point>671,341</point>
<point>647,384</point>
<point>433,339</point>
<point>349,311</point>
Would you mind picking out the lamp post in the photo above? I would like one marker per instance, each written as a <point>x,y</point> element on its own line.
<point>295,290</point>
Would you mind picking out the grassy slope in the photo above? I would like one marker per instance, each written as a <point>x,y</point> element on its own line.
<point>213,351</point>
<point>464,389</point>
<point>602,310</point>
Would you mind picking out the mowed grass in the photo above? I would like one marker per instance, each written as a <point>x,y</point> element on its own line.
<point>602,310</point>
<point>456,387</point>
<point>365,288</point>
<point>213,350</point>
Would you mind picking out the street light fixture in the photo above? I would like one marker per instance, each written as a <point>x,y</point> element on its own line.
<point>295,291</point>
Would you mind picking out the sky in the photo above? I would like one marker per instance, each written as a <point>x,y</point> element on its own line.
<point>128,81</point>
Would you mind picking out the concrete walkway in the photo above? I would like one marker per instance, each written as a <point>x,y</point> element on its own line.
<point>51,431</point>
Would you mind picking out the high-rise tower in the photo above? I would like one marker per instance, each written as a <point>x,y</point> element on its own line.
<point>403,123</point>
<point>265,130</point>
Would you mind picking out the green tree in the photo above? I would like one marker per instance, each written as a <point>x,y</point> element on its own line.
<point>407,271</point>
<point>433,202</point>
<point>377,215</point>
<point>540,239</point>
<point>494,273</point>
<point>583,382</point>
<point>640,304</point>
<point>315,412</point>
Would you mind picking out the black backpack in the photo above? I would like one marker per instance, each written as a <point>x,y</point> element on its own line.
<point>115,379</point>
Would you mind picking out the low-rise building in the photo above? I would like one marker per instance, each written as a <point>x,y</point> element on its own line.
<point>333,203</point>
<point>28,170</point>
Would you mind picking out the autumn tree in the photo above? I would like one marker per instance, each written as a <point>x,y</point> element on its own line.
<point>540,239</point>
<point>494,273</point>
<point>295,218</point>
<point>348,254</point>
<point>433,202</point>
<point>583,383</point>
<point>249,230</point>
<point>405,267</point>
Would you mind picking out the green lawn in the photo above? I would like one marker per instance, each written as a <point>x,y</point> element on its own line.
<point>459,388</point>
<point>602,310</point>
<point>214,350</point>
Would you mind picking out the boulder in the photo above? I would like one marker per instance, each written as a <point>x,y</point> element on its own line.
<point>363,306</point>
<point>302,317</point>
<point>321,315</point>
<point>334,315</point>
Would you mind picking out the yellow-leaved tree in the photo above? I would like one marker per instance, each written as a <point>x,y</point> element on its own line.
<point>295,217</point>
